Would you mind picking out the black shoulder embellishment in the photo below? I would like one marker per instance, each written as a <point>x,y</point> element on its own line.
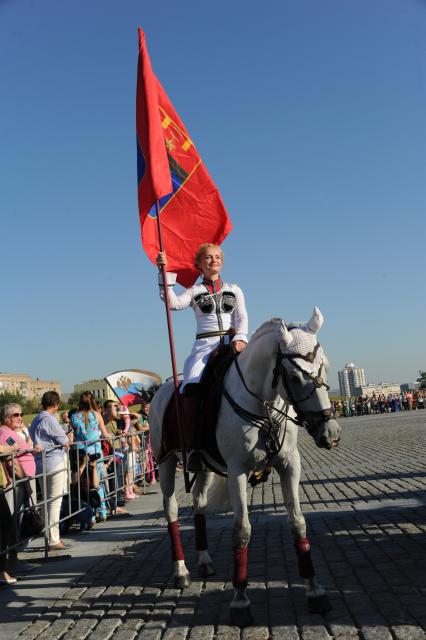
<point>228,301</point>
<point>204,302</point>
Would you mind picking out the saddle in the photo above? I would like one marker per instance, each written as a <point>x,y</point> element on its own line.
<point>210,394</point>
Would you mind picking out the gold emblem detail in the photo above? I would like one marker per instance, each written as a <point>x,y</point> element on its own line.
<point>166,121</point>
<point>170,145</point>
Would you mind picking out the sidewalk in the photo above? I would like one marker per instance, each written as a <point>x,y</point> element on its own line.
<point>39,589</point>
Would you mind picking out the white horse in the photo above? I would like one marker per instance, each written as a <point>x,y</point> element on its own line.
<point>276,384</point>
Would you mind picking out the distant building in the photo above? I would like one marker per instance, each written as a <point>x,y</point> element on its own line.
<point>351,378</point>
<point>30,388</point>
<point>409,386</point>
<point>384,388</point>
<point>98,387</point>
<point>334,393</point>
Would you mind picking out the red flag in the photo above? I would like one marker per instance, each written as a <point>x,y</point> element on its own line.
<point>192,212</point>
<point>154,179</point>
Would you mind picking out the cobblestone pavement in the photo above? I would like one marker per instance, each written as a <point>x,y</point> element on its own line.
<point>366,515</point>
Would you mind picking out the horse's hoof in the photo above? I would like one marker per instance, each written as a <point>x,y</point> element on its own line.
<point>206,570</point>
<point>241,616</point>
<point>181,582</point>
<point>319,604</point>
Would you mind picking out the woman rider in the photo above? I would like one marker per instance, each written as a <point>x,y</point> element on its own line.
<point>221,318</point>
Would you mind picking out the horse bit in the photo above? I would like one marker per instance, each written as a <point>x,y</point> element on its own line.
<point>270,425</point>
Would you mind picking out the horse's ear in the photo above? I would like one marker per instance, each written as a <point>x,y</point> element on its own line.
<point>316,322</point>
<point>286,336</point>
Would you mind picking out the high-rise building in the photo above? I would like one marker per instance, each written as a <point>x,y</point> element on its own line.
<point>351,378</point>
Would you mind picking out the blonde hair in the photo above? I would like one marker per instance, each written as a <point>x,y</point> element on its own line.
<point>202,250</point>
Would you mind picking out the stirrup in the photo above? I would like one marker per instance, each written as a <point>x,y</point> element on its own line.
<point>259,476</point>
<point>194,462</point>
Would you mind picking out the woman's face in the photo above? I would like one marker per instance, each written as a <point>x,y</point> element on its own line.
<point>14,420</point>
<point>211,261</point>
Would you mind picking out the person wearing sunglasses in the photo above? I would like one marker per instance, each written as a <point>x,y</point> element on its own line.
<point>10,433</point>
<point>19,466</point>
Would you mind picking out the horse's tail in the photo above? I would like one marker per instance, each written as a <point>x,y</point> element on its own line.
<point>218,496</point>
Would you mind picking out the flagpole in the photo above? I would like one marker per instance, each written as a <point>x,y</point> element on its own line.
<point>173,355</point>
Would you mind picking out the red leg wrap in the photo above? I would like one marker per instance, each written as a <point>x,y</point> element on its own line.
<point>177,551</point>
<point>303,551</point>
<point>200,532</point>
<point>240,567</point>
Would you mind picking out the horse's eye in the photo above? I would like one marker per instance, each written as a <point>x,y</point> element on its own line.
<point>296,379</point>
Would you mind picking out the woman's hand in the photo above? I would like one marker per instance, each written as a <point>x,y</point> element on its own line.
<point>161,259</point>
<point>238,346</point>
<point>6,448</point>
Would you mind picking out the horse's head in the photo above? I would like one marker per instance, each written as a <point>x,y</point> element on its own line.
<point>302,368</point>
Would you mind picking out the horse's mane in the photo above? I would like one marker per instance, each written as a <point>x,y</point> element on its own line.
<point>274,324</point>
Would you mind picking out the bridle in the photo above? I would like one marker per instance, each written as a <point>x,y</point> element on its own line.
<point>270,425</point>
<point>324,415</point>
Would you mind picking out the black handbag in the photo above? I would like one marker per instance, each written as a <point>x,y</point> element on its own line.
<point>32,523</point>
<point>94,499</point>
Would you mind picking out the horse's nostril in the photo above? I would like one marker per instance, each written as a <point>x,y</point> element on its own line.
<point>325,443</point>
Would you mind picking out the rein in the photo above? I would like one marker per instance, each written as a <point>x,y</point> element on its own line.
<point>269,425</point>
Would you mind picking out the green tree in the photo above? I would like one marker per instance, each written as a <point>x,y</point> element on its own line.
<point>74,399</point>
<point>6,397</point>
<point>422,379</point>
<point>31,406</point>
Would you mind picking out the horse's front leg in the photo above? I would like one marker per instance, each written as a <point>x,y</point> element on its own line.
<point>316,596</point>
<point>167,483</point>
<point>199,495</point>
<point>240,605</point>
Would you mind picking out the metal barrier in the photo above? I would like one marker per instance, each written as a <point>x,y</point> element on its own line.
<point>117,471</point>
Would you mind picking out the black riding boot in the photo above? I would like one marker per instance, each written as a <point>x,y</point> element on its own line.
<point>191,406</point>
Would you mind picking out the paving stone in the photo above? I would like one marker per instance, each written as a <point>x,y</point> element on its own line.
<point>81,629</point>
<point>75,593</point>
<point>255,633</point>
<point>55,631</point>
<point>375,633</point>
<point>225,632</point>
<point>176,633</point>
<point>152,630</point>
<point>314,632</point>
<point>408,632</point>
<point>160,614</point>
<point>105,629</point>
<point>202,632</point>
<point>284,632</point>
<point>343,630</point>
<point>33,630</point>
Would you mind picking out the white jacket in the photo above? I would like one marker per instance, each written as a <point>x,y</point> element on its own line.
<point>213,312</point>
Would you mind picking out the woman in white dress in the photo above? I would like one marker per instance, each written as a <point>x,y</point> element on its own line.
<point>221,318</point>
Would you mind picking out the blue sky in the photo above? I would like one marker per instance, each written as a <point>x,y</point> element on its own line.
<point>310,117</point>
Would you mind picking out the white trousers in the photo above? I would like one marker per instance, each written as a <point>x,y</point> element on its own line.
<point>197,360</point>
<point>57,486</point>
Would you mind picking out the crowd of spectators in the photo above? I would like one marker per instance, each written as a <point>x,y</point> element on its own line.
<point>85,467</point>
<point>375,404</point>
